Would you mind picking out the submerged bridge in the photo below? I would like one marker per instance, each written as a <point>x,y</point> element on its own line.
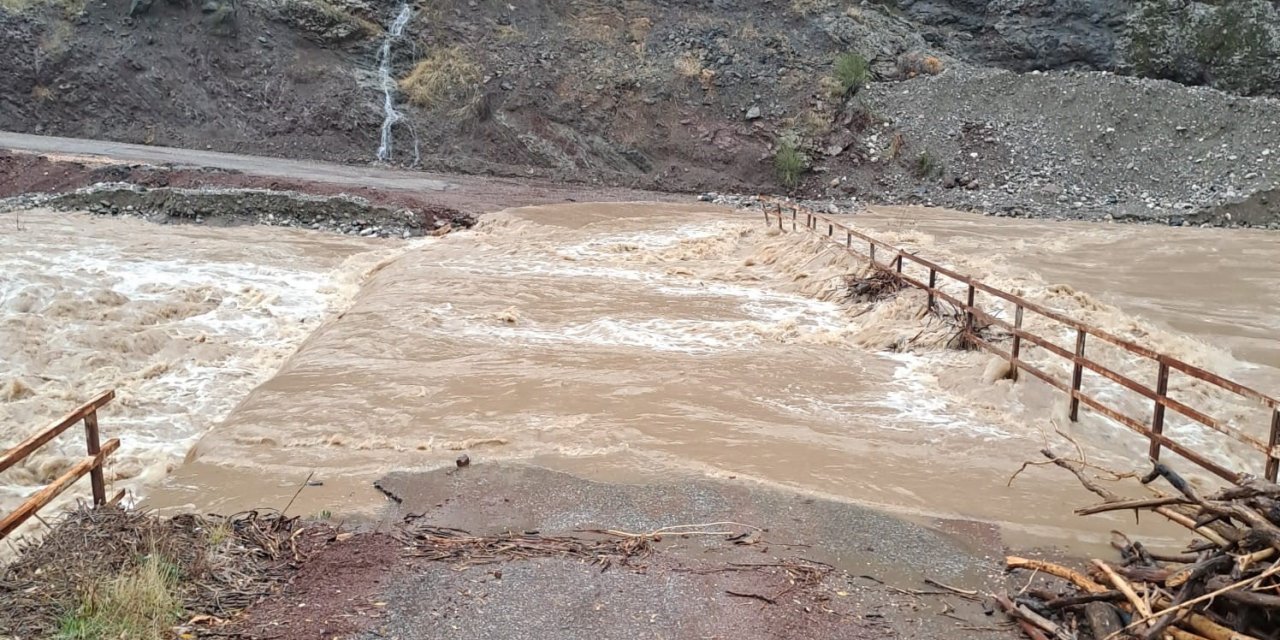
<point>982,306</point>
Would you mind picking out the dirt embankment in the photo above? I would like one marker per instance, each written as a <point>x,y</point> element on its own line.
<point>339,199</point>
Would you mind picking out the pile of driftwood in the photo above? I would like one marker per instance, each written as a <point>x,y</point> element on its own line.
<point>1224,586</point>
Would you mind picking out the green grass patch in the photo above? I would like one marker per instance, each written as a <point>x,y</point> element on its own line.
<point>927,166</point>
<point>141,604</point>
<point>852,72</point>
<point>789,163</point>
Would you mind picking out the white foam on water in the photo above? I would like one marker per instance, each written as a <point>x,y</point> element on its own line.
<point>181,333</point>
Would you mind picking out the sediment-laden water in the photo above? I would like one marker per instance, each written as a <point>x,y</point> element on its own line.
<point>620,342</point>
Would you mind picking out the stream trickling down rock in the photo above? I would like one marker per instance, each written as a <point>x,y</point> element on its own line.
<point>388,83</point>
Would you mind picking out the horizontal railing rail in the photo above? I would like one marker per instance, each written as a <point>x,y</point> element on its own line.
<point>91,464</point>
<point>781,213</point>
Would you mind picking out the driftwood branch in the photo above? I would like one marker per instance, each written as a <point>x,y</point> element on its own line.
<point>1224,586</point>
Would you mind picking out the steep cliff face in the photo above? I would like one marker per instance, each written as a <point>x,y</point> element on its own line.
<point>1025,35</point>
<point>1228,44</point>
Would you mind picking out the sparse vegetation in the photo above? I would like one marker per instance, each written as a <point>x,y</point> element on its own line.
<point>810,7</point>
<point>812,124</point>
<point>688,65</point>
<point>70,8</point>
<point>508,33</point>
<point>141,604</point>
<point>926,166</point>
<point>789,162</point>
<point>896,145</point>
<point>41,93</point>
<point>862,116</point>
<point>218,534</point>
<point>915,64</point>
<point>445,75</point>
<point>638,29</point>
<point>852,73</point>
<point>326,22</point>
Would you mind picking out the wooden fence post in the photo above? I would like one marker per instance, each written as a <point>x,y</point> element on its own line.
<point>933,284</point>
<point>1077,375</point>
<point>1157,416</point>
<point>1273,463</point>
<point>969,317</point>
<point>1016,351</point>
<point>95,446</point>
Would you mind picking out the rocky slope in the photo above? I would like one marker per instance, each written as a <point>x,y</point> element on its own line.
<point>693,96</point>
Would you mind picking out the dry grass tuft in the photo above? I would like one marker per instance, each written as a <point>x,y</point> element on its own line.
<point>688,65</point>
<point>916,64</point>
<point>638,29</point>
<point>508,33</point>
<point>810,7</point>
<point>41,93</point>
<point>445,75</point>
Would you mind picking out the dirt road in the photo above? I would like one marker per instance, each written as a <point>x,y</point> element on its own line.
<point>468,193</point>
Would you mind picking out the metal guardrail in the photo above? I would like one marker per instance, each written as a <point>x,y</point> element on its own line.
<point>91,464</point>
<point>853,241</point>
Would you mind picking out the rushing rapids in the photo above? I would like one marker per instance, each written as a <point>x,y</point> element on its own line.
<point>618,342</point>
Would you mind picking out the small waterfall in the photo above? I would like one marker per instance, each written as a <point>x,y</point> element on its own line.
<point>391,116</point>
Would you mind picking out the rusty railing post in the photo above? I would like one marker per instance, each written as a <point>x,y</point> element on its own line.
<point>95,446</point>
<point>969,318</point>
<point>1273,462</point>
<point>873,252</point>
<point>794,212</point>
<point>899,261</point>
<point>933,284</point>
<point>848,239</point>
<point>1016,351</point>
<point>1157,416</point>
<point>831,229</point>
<point>1077,375</point>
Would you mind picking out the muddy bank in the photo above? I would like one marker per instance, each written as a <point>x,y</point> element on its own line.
<point>233,207</point>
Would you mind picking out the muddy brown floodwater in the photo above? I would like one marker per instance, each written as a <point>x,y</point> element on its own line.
<point>636,342</point>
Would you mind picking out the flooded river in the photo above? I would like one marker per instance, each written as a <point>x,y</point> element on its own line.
<point>618,342</point>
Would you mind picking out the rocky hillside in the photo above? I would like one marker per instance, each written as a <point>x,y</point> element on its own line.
<point>891,100</point>
<point>1226,44</point>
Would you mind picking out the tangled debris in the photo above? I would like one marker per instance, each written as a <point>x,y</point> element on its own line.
<point>461,547</point>
<point>875,286</point>
<point>226,563</point>
<point>1224,586</point>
